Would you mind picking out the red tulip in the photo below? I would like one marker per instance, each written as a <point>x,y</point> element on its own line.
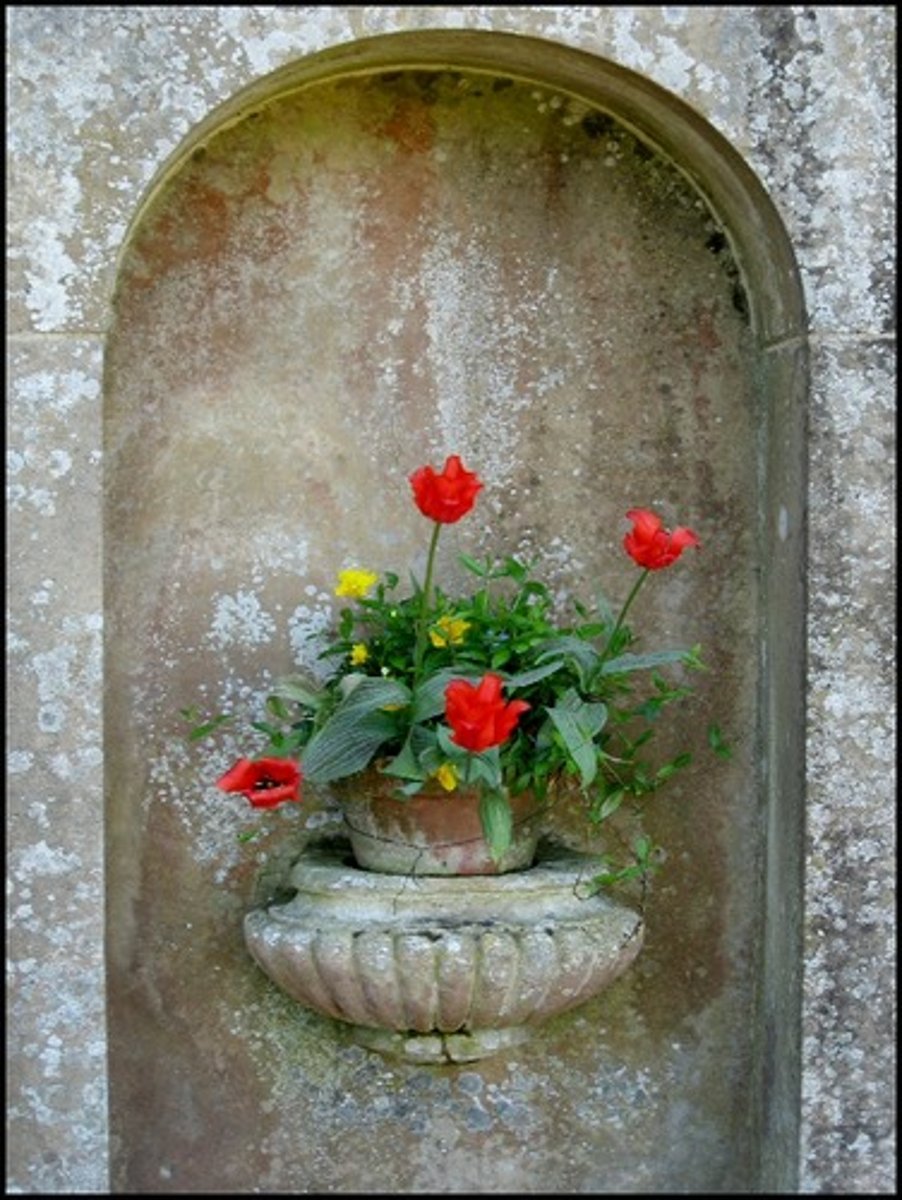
<point>448,496</point>
<point>265,782</point>
<point>478,715</point>
<point>652,546</point>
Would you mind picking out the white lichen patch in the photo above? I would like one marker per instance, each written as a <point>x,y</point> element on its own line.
<point>39,393</point>
<point>267,48</point>
<point>279,551</point>
<point>474,351</point>
<point>49,264</point>
<point>85,761</point>
<point>309,634</point>
<point>240,620</point>
<point>53,669</point>
<point>40,499</point>
<point>59,463</point>
<point>42,859</point>
<point>19,761</point>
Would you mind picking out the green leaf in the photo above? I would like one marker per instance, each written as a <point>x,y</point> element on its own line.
<point>277,706</point>
<point>717,743</point>
<point>202,731</point>
<point>484,768</point>
<point>276,736</point>
<point>292,744</point>
<point>579,723</point>
<point>644,865</point>
<point>302,692</point>
<point>497,822</point>
<point>248,835</point>
<point>408,789</point>
<point>450,749</point>
<point>404,765</point>
<point>355,731</point>
<point>605,611</point>
<point>342,747</point>
<point>519,572</point>
<point>413,760</point>
<point>608,806</point>
<point>641,662</point>
<point>265,727</point>
<point>370,693</point>
<point>525,678</point>
<point>574,649</point>
<point>482,570</point>
<point>664,773</point>
<point>693,658</point>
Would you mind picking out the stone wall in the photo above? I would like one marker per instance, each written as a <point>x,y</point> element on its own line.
<point>100,99</point>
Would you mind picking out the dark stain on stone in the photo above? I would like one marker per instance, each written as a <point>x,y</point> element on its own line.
<point>598,125</point>
<point>643,153</point>
<point>719,245</point>
<point>740,300</point>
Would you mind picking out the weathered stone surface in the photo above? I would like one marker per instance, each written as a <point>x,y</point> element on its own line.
<point>56,1044</point>
<point>98,99</point>
<point>849,956</point>
<point>456,955</point>
<point>484,266</point>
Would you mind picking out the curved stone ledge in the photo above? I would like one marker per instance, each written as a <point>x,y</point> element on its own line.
<point>437,969</point>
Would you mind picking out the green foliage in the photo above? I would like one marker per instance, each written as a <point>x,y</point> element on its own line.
<point>646,860</point>
<point>717,743</point>
<point>497,824</point>
<point>362,722</point>
<point>594,699</point>
<point>205,728</point>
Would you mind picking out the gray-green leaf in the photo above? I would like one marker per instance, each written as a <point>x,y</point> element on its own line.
<point>625,663</point>
<point>497,822</point>
<point>578,723</point>
<point>355,731</point>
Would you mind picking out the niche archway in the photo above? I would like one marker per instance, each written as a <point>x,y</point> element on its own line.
<point>390,251</point>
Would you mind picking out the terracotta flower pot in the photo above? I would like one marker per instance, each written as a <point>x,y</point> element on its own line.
<point>434,832</point>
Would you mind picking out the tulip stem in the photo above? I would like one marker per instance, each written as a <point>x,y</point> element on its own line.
<point>617,624</point>
<point>420,647</point>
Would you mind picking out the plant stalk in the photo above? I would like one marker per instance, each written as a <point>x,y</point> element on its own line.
<point>420,648</point>
<point>617,624</point>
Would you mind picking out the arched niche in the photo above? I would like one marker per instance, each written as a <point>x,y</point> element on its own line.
<point>397,249</point>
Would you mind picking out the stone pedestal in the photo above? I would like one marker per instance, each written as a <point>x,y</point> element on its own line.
<point>442,969</point>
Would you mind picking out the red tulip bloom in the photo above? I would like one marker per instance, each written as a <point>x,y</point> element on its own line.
<point>652,546</point>
<point>478,715</point>
<point>265,782</point>
<point>445,496</point>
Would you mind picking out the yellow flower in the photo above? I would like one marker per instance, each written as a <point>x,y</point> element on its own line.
<point>447,776</point>
<point>355,582</point>
<point>359,654</point>
<point>448,631</point>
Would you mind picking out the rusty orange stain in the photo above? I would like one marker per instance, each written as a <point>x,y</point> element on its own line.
<point>411,126</point>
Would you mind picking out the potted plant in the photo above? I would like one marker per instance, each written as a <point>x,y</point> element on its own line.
<point>450,722</point>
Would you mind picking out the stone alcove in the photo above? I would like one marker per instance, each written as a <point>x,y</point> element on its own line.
<point>395,250</point>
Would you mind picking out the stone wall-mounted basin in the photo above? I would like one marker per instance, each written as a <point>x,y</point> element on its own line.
<point>441,969</point>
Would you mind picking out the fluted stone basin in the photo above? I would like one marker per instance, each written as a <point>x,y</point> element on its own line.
<point>441,969</point>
